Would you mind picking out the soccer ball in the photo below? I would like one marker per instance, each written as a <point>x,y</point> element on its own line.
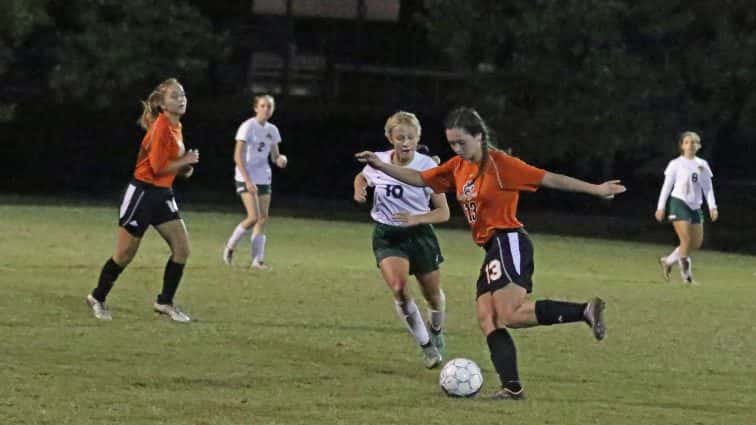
<point>461,378</point>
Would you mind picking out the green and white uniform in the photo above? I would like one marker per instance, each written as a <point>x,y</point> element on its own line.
<point>258,139</point>
<point>391,238</point>
<point>686,183</point>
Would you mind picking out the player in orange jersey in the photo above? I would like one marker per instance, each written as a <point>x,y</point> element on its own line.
<point>487,183</point>
<point>149,200</point>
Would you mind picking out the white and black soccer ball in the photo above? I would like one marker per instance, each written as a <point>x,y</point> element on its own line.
<point>461,378</point>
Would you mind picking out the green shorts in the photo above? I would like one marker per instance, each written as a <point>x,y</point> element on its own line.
<point>262,189</point>
<point>418,244</point>
<point>678,210</point>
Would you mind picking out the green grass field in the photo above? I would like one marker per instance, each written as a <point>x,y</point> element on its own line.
<point>316,340</point>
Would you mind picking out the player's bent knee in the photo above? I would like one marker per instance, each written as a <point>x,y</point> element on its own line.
<point>397,286</point>
<point>507,319</point>
<point>486,325</point>
<point>180,253</point>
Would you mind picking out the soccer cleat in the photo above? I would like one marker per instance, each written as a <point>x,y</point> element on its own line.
<point>594,316</point>
<point>431,356</point>
<point>100,311</point>
<point>666,269</point>
<point>228,255</point>
<point>505,394</point>
<point>171,311</point>
<point>437,338</point>
<point>259,265</point>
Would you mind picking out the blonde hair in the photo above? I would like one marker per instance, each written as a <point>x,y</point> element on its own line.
<point>258,98</point>
<point>152,107</point>
<point>402,118</point>
<point>692,134</point>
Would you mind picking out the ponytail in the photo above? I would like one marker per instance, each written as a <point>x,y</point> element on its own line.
<point>152,107</point>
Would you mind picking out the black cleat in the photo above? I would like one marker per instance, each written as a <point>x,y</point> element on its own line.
<point>505,394</point>
<point>594,316</point>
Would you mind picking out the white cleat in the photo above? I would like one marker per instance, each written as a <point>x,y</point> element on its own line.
<point>259,265</point>
<point>100,311</point>
<point>594,317</point>
<point>431,356</point>
<point>228,255</point>
<point>666,269</point>
<point>171,311</point>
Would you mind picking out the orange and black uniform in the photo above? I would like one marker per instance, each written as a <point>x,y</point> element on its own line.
<point>149,200</point>
<point>490,205</point>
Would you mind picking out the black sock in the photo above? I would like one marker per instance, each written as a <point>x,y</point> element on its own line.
<point>171,279</point>
<point>504,358</point>
<point>549,312</point>
<point>108,276</point>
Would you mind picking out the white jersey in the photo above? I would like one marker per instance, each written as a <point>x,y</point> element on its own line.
<point>392,196</point>
<point>688,180</point>
<point>258,139</point>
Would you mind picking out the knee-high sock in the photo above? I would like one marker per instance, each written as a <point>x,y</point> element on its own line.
<point>437,317</point>
<point>550,312</point>
<point>258,247</point>
<point>410,316</point>
<point>686,266</point>
<point>110,272</point>
<point>237,234</point>
<point>673,257</point>
<point>504,358</point>
<point>171,279</point>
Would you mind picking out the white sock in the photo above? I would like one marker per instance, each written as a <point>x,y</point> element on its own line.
<point>672,257</point>
<point>410,316</point>
<point>239,231</point>
<point>437,317</point>
<point>686,272</point>
<point>258,247</point>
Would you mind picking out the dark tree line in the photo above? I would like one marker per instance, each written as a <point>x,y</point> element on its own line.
<point>593,84</point>
<point>602,80</point>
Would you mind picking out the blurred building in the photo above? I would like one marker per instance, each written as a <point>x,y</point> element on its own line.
<point>341,50</point>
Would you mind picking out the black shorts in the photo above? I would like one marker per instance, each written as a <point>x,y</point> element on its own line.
<point>143,205</point>
<point>509,258</point>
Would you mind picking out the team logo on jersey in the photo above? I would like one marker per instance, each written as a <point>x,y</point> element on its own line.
<point>269,136</point>
<point>468,191</point>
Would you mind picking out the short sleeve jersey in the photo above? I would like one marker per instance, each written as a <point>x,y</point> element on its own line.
<point>490,201</point>
<point>257,139</point>
<point>690,177</point>
<point>163,143</point>
<point>392,196</point>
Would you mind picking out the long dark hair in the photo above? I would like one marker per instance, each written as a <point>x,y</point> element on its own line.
<point>468,119</point>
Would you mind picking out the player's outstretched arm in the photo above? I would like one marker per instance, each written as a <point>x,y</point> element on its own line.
<point>606,189</point>
<point>406,175</point>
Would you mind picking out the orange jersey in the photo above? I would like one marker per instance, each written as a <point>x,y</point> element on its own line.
<point>490,201</point>
<point>162,144</point>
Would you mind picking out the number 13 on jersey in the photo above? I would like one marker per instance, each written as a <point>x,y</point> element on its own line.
<point>471,211</point>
